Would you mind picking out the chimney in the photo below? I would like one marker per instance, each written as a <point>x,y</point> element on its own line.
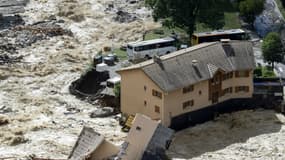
<point>158,60</point>
<point>194,62</point>
<point>225,40</point>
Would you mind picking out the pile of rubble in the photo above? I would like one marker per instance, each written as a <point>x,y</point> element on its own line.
<point>5,59</point>
<point>22,36</point>
<point>147,139</point>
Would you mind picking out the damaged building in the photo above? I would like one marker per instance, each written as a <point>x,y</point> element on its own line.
<point>189,86</point>
<point>146,140</point>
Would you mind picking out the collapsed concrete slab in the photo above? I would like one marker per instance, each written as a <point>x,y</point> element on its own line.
<point>91,145</point>
<point>147,139</point>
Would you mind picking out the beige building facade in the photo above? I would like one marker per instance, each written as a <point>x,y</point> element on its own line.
<point>188,80</point>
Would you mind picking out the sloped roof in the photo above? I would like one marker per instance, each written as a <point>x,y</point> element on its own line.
<point>178,70</point>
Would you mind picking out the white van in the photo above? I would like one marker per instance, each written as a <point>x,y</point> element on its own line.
<point>146,49</point>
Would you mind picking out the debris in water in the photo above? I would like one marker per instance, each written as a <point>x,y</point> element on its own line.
<point>22,36</point>
<point>5,59</point>
<point>102,112</point>
<point>125,17</point>
<point>15,140</point>
<point>4,120</point>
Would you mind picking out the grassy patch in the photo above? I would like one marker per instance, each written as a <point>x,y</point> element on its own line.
<point>264,72</point>
<point>281,8</point>
<point>164,32</point>
<point>231,22</point>
<point>122,55</point>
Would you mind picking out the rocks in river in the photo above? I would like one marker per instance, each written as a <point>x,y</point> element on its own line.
<point>102,112</point>
<point>269,20</point>
<point>22,36</point>
<point>125,17</point>
<point>5,59</point>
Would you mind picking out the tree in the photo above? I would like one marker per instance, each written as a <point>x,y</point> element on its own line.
<point>272,48</point>
<point>185,13</point>
<point>117,90</point>
<point>250,8</point>
<point>283,3</point>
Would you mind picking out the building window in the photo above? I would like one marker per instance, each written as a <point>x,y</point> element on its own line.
<point>228,90</point>
<point>215,80</point>
<point>228,76</point>
<point>200,92</point>
<point>188,104</point>
<point>242,73</point>
<point>188,89</point>
<point>241,89</point>
<point>145,103</point>
<point>156,94</point>
<point>144,87</point>
<point>157,109</point>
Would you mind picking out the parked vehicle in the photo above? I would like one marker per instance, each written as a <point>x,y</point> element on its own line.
<point>113,81</point>
<point>110,59</point>
<point>232,34</point>
<point>146,49</point>
<point>97,60</point>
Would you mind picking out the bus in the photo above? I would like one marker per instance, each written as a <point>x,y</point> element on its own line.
<point>232,34</point>
<point>147,49</point>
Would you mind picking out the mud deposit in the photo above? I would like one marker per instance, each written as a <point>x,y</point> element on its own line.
<point>35,116</point>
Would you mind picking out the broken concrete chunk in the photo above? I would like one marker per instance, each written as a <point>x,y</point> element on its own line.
<point>91,145</point>
<point>147,139</point>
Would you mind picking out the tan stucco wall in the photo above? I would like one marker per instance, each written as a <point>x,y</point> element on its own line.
<point>133,94</point>
<point>174,101</point>
<point>139,139</point>
<point>105,150</point>
<point>238,81</point>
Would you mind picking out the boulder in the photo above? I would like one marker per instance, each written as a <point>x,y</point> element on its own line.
<point>102,112</point>
<point>270,20</point>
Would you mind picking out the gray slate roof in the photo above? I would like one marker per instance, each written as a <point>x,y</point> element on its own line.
<point>177,71</point>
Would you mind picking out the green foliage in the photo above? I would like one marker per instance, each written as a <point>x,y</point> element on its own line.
<point>264,72</point>
<point>272,48</point>
<point>212,18</point>
<point>150,3</point>
<point>281,6</point>
<point>283,2</point>
<point>258,72</point>
<point>250,8</point>
<point>186,13</point>
<point>117,90</point>
<point>122,55</point>
<point>267,72</point>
